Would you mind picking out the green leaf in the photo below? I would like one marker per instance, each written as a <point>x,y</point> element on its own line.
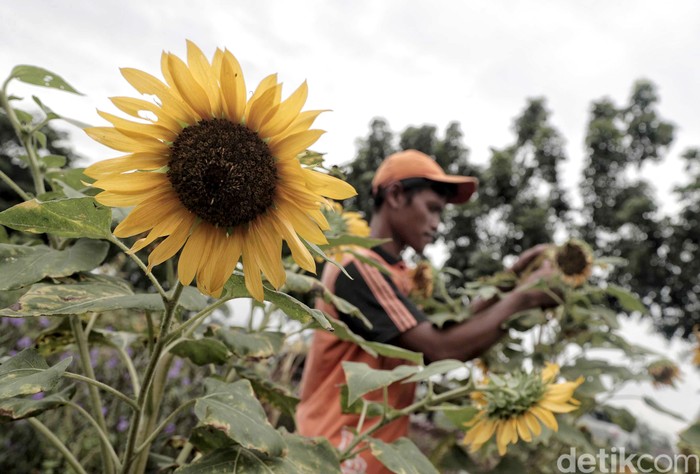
<point>41,138</point>
<point>72,217</point>
<point>309,285</point>
<point>627,300</point>
<point>41,77</point>
<point>28,373</point>
<point>361,379</point>
<point>81,294</point>
<point>652,403</point>
<point>295,309</point>
<point>341,331</point>
<point>18,408</point>
<point>457,414</point>
<point>54,161</point>
<point>234,410</point>
<point>255,344</point>
<point>24,117</point>
<point>401,457</point>
<point>353,240</point>
<point>621,417</point>
<point>436,368</point>
<point>269,392</point>
<point>371,409</point>
<point>304,456</point>
<point>23,265</point>
<point>691,435</point>
<point>202,351</point>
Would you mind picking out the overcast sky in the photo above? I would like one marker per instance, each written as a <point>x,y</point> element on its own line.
<point>410,62</point>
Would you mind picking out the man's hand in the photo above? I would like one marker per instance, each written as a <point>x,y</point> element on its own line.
<point>537,298</point>
<point>527,257</point>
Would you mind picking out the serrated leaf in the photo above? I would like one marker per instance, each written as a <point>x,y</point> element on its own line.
<point>436,368</point>
<point>22,265</point>
<point>295,309</point>
<point>361,379</point>
<point>72,217</point>
<point>41,77</point>
<point>654,404</point>
<point>202,351</point>
<point>235,411</point>
<point>304,456</point>
<point>18,408</point>
<point>28,373</point>
<point>401,457</point>
<point>627,300</point>
<point>255,344</point>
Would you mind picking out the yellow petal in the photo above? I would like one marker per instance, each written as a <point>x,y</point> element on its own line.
<point>165,227</point>
<point>556,407</point>
<point>133,183</point>
<point>226,257</point>
<point>285,113</point>
<point>328,186</point>
<point>532,423</point>
<point>253,281</point>
<point>123,200</point>
<point>148,129</point>
<point>148,84</point>
<point>304,121</point>
<point>300,253</point>
<point>119,141</point>
<point>261,106</point>
<point>208,258</point>
<point>303,225</point>
<point>233,87</point>
<point>545,417</point>
<point>291,145</point>
<point>137,107</point>
<point>204,75</point>
<point>523,430</point>
<point>264,85</point>
<point>188,88</point>
<point>486,429</point>
<point>147,214</point>
<point>269,250</point>
<point>123,164</point>
<point>550,371</point>
<point>502,437</point>
<point>191,255</point>
<point>171,245</point>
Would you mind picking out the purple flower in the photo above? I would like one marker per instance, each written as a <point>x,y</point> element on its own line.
<point>94,355</point>
<point>38,396</point>
<point>175,369</point>
<point>25,342</point>
<point>169,429</point>
<point>16,322</point>
<point>112,362</point>
<point>123,424</point>
<point>44,322</point>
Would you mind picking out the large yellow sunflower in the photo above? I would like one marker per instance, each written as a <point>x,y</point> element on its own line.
<point>512,410</point>
<point>215,173</point>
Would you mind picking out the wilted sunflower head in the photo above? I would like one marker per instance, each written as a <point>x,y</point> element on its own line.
<point>214,173</point>
<point>664,372</point>
<point>574,259</point>
<point>422,278</point>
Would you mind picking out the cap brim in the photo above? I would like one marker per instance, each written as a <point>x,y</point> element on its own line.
<point>466,186</point>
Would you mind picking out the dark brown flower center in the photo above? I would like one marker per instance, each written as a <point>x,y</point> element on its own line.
<point>571,258</point>
<point>223,172</point>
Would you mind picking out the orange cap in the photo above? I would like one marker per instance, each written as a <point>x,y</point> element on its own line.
<point>415,164</point>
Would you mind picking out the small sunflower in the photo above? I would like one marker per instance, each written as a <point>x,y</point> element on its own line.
<point>344,222</point>
<point>213,173</point>
<point>575,262</point>
<point>422,277</point>
<point>664,373</point>
<point>515,408</point>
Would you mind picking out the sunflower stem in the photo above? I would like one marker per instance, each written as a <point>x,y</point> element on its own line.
<point>163,424</point>
<point>95,400</point>
<point>102,435</point>
<point>12,185</point>
<point>141,265</point>
<point>189,326</point>
<point>134,430</point>
<point>105,387</point>
<point>58,444</point>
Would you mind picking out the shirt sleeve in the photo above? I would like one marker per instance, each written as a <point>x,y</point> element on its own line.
<point>378,298</point>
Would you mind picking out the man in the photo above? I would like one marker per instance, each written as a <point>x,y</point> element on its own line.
<point>410,191</point>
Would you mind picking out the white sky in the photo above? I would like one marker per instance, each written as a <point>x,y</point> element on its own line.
<point>411,62</point>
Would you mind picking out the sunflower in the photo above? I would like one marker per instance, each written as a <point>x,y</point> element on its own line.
<point>213,173</point>
<point>422,277</point>
<point>575,262</point>
<point>344,222</point>
<point>664,373</point>
<point>515,408</point>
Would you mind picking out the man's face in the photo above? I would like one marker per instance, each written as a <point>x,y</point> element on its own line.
<point>416,222</point>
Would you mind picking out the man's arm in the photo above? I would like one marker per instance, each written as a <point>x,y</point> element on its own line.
<point>470,338</point>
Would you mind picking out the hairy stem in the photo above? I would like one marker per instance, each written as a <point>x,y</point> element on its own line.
<point>58,444</point>
<point>100,433</point>
<point>105,387</point>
